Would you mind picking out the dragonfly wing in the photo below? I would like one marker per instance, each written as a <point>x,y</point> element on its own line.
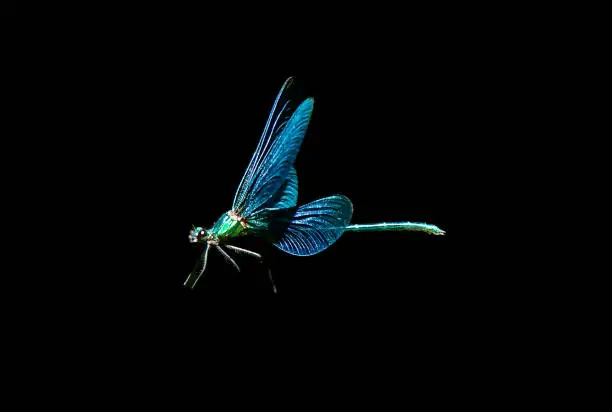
<point>271,223</point>
<point>272,170</point>
<point>275,218</point>
<point>277,120</point>
<point>306,230</point>
<point>287,195</point>
<point>316,226</point>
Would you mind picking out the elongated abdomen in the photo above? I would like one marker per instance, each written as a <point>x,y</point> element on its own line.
<point>396,226</point>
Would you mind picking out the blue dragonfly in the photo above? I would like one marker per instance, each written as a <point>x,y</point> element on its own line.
<point>265,203</point>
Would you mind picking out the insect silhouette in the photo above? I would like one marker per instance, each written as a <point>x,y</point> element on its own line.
<point>265,203</point>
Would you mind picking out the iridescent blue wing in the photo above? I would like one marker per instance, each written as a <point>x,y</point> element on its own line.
<point>306,230</point>
<point>287,195</point>
<point>261,180</point>
<point>274,164</point>
<point>316,226</point>
<point>281,109</point>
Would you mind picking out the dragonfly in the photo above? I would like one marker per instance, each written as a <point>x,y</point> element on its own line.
<point>265,203</point>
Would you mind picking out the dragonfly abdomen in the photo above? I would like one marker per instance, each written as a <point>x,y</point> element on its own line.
<point>395,226</point>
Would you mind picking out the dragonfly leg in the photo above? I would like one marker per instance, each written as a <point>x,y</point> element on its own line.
<point>258,256</point>
<point>228,257</point>
<point>271,280</point>
<point>244,251</point>
<point>192,279</point>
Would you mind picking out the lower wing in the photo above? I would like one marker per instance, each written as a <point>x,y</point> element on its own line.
<point>306,230</point>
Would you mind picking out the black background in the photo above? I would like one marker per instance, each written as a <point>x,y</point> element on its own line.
<point>164,132</point>
<point>361,144</point>
<point>134,127</point>
<point>394,142</point>
<point>8,9</point>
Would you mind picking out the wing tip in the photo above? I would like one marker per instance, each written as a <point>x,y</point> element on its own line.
<point>309,101</point>
<point>290,80</point>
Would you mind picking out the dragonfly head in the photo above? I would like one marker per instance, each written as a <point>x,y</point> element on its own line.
<point>197,235</point>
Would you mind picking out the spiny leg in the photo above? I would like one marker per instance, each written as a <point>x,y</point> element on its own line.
<point>271,280</point>
<point>244,251</point>
<point>188,281</point>
<point>258,256</point>
<point>228,257</point>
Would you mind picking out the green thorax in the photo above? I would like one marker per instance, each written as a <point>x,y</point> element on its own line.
<point>228,226</point>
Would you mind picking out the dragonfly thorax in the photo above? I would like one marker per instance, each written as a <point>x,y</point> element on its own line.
<point>229,225</point>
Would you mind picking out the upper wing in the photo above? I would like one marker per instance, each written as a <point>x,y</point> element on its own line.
<point>276,119</point>
<point>274,162</point>
<point>287,194</point>
<point>271,147</point>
